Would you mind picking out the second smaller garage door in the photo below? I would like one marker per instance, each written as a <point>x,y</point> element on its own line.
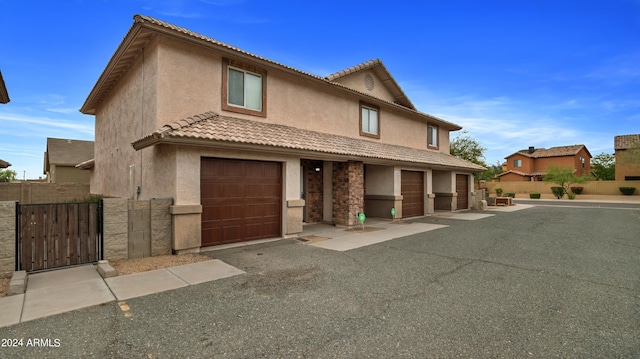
<point>412,190</point>
<point>462,187</point>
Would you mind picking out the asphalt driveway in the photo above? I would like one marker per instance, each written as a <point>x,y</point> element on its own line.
<point>545,282</point>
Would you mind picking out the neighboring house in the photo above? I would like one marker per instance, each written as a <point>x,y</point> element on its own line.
<point>61,158</point>
<point>4,94</point>
<point>627,152</point>
<point>249,148</point>
<point>532,164</point>
<point>4,98</point>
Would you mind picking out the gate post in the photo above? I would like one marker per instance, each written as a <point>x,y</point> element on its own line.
<point>7,238</point>
<point>18,246</point>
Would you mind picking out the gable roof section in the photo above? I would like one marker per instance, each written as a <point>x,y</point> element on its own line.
<point>63,152</point>
<point>626,142</point>
<point>4,94</point>
<point>211,129</point>
<point>143,29</point>
<point>383,74</point>
<point>559,151</point>
<point>4,164</point>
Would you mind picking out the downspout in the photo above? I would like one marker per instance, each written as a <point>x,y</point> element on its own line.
<point>139,189</point>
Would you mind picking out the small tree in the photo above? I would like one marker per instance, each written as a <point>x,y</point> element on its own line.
<point>465,147</point>
<point>564,177</point>
<point>604,166</point>
<point>8,175</point>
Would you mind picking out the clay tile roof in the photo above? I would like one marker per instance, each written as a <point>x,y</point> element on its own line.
<point>552,152</point>
<point>212,129</point>
<point>4,94</point>
<point>626,142</point>
<point>4,164</point>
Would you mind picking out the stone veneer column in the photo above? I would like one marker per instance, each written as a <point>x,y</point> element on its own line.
<point>348,192</point>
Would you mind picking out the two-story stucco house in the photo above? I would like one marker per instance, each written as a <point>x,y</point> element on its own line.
<point>627,152</point>
<point>249,148</point>
<point>533,163</point>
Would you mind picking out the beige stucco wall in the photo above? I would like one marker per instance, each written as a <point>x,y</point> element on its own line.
<point>191,84</point>
<point>626,164</point>
<point>125,116</point>
<point>68,174</point>
<point>356,81</point>
<point>379,180</point>
<point>443,182</point>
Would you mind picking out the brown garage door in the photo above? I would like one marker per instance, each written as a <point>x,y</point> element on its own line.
<point>412,189</point>
<point>241,200</point>
<point>462,187</point>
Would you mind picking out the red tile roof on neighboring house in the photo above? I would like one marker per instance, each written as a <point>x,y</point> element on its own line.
<point>626,142</point>
<point>145,27</point>
<point>552,152</point>
<point>4,94</point>
<point>211,129</point>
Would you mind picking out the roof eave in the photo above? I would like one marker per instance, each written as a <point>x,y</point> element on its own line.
<point>157,139</point>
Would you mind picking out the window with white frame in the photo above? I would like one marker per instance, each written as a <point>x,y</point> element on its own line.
<point>244,88</point>
<point>517,163</point>
<point>432,136</point>
<point>369,120</point>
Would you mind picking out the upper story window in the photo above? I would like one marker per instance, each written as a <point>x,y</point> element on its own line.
<point>243,88</point>
<point>517,163</point>
<point>369,120</point>
<point>432,136</point>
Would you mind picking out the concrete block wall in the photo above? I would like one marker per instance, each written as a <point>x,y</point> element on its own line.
<point>160,226</point>
<point>149,228</point>
<point>115,229</point>
<point>38,192</point>
<point>7,238</point>
<point>139,229</point>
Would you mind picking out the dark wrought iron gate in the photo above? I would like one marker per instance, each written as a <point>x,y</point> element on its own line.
<point>58,235</point>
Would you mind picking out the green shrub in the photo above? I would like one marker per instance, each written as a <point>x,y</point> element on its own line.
<point>534,195</point>
<point>510,194</point>
<point>499,192</point>
<point>627,191</point>
<point>577,190</point>
<point>571,195</point>
<point>558,192</point>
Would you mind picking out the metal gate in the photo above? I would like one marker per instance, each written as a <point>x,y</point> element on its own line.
<point>58,235</point>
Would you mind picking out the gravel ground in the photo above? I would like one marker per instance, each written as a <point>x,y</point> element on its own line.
<point>137,265</point>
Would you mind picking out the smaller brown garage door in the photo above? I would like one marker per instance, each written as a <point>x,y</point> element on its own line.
<point>412,190</point>
<point>462,187</point>
<point>241,200</point>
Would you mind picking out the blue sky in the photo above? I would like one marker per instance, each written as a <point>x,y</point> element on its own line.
<point>513,73</point>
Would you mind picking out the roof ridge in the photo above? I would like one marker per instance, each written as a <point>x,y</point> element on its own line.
<point>359,67</point>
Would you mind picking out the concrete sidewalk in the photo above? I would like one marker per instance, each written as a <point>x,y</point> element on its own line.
<point>64,290</point>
